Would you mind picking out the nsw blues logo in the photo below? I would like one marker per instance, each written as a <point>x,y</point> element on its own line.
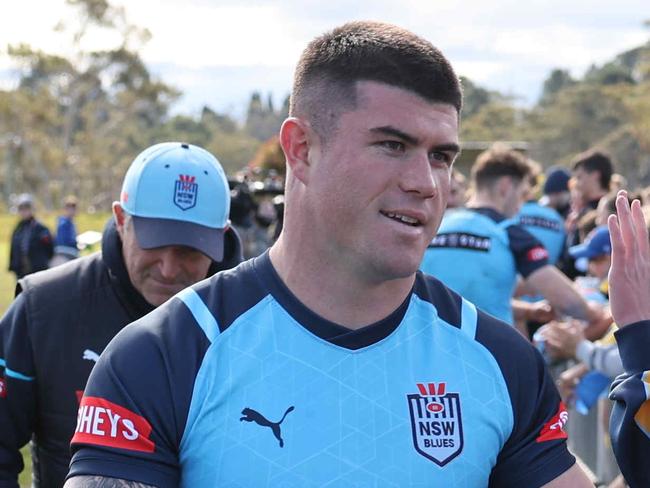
<point>436,422</point>
<point>185,192</point>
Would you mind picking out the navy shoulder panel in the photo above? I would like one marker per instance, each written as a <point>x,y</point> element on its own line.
<point>517,359</point>
<point>160,353</point>
<point>446,301</point>
<point>530,453</point>
<point>229,294</point>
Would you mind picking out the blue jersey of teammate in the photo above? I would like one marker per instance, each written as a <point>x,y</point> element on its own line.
<point>236,383</point>
<point>478,253</point>
<point>546,225</point>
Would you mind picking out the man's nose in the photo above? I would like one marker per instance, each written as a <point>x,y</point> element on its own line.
<point>417,176</point>
<point>170,262</point>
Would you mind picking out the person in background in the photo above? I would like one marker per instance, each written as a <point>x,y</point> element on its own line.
<point>629,295</point>
<point>480,250</point>
<point>543,222</point>
<point>31,241</point>
<point>457,190</point>
<point>591,176</point>
<point>556,190</point>
<point>65,239</point>
<point>566,340</point>
<point>169,230</point>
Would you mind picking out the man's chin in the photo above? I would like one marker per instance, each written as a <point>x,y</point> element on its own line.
<point>158,295</point>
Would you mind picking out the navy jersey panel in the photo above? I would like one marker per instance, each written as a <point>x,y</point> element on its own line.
<point>530,255</point>
<point>630,422</point>
<point>270,400</point>
<point>138,396</point>
<point>535,449</point>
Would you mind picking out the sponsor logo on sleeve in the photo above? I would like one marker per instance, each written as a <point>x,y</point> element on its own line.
<point>3,388</point>
<point>104,423</point>
<point>554,428</point>
<point>436,422</point>
<point>537,254</point>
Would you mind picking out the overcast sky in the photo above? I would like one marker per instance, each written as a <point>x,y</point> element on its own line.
<point>218,51</point>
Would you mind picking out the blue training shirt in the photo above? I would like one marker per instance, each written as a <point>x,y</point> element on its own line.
<point>478,253</point>
<point>546,225</point>
<point>234,382</point>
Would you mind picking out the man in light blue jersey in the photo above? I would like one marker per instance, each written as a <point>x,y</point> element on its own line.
<point>329,360</point>
<point>480,250</point>
<point>543,222</point>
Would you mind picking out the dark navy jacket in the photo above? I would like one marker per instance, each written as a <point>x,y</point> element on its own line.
<point>31,248</point>
<point>50,339</point>
<point>630,422</point>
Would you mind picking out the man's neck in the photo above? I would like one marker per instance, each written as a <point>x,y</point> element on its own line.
<point>479,201</point>
<point>333,290</point>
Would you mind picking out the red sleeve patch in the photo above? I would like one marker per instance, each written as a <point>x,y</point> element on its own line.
<point>538,253</point>
<point>3,388</point>
<point>103,423</point>
<point>554,428</point>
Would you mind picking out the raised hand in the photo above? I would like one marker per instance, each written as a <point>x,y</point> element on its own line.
<point>629,275</point>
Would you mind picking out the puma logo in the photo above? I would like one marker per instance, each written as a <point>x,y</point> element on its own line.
<point>91,355</point>
<point>250,415</point>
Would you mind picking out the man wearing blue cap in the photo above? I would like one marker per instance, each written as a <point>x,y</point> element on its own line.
<point>169,230</point>
<point>594,255</point>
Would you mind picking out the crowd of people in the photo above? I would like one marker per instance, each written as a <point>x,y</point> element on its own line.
<point>300,300</point>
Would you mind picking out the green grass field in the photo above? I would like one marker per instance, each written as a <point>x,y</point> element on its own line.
<point>83,222</point>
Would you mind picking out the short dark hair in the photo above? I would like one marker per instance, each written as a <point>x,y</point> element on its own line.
<point>497,161</point>
<point>595,160</point>
<point>330,66</point>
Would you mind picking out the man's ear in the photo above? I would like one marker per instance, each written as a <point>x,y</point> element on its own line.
<point>119,216</point>
<point>296,139</point>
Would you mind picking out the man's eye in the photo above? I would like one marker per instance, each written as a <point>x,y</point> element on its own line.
<point>441,157</point>
<point>393,145</point>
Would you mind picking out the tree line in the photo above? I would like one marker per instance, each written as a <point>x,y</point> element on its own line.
<point>74,123</point>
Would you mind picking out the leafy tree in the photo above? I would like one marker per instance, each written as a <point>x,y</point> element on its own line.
<point>558,80</point>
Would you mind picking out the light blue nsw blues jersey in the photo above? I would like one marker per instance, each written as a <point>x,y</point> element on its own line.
<point>235,383</point>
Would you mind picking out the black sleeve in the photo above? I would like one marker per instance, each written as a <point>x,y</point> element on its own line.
<point>139,394</point>
<point>17,390</point>
<point>529,253</point>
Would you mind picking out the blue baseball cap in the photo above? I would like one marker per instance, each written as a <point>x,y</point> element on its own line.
<point>596,244</point>
<point>557,180</point>
<point>177,195</point>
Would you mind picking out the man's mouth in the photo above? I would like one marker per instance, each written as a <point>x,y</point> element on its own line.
<point>404,219</point>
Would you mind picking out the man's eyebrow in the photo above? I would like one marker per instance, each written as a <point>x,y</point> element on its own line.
<point>392,131</point>
<point>408,138</point>
<point>450,147</point>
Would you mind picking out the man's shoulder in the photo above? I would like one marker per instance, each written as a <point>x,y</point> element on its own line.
<point>40,226</point>
<point>498,337</point>
<point>69,281</point>
<point>212,305</point>
<point>534,214</point>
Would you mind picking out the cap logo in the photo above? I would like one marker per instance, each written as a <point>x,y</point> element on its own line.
<point>185,192</point>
